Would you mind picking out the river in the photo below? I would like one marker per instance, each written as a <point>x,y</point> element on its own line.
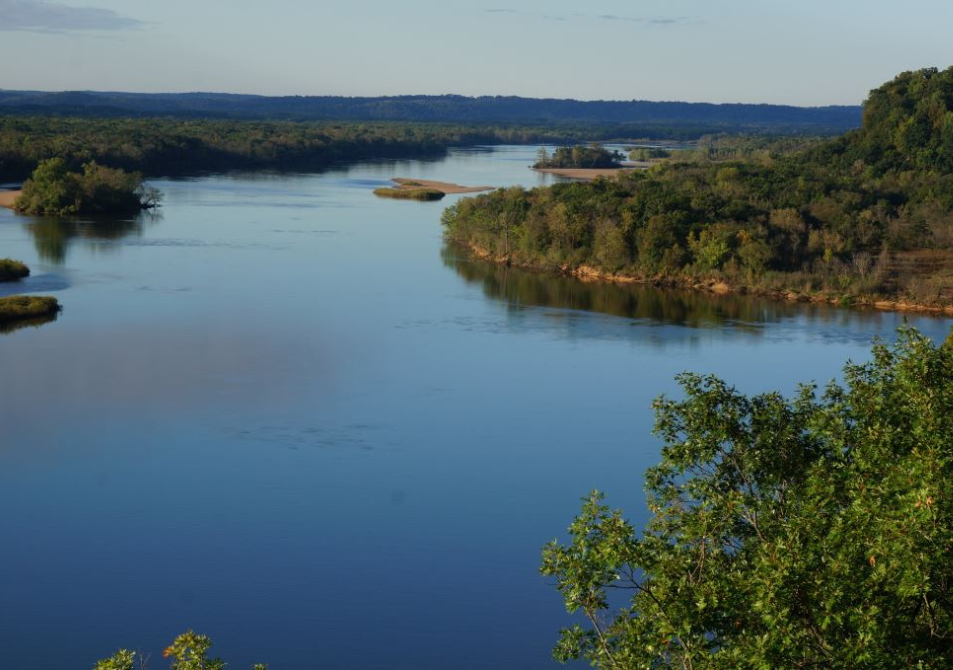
<point>281,412</point>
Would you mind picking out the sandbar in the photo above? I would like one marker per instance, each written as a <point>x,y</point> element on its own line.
<point>443,186</point>
<point>585,174</point>
<point>7,198</point>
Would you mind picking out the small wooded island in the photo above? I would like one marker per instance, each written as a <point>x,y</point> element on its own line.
<point>580,162</point>
<point>56,190</point>
<point>578,157</point>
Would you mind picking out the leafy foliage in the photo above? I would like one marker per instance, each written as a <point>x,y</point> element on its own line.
<point>866,215</point>
<point>189,651</point>
<point>579,156</point>
<point>164,146</point>
<point>815,531</point>
<point>648,153</point>
<point>54,189</point>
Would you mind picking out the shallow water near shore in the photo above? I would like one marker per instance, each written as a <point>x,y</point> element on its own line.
<point>283,413</point>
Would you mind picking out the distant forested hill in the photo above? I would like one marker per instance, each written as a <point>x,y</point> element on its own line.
<point>702,117</point>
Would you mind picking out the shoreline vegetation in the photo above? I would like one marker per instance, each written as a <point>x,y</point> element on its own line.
<point>20,308</point>
<point>865,219</point>
<point>582,162</point>
<point>589,274</point>
<point>180,147</point>
<point>11,270</point>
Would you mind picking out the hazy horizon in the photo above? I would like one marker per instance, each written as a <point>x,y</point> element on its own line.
<point>402,95</point>
<point>741,51</point>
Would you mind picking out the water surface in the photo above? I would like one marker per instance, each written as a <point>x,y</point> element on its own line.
<point>283,413</point>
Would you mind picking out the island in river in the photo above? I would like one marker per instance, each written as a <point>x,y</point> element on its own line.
<point>424,190</point>
<point>444,187</point>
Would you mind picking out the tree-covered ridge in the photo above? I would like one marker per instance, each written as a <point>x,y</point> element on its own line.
<point>579,156</point>
<point>865,215</point>
<point>655,116</point>
<point>813,531</point>
<point>54,189</point>
<point>164,146</point>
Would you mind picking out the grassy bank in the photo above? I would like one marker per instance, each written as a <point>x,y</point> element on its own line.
<point>20,307</point>
<point>423,194</point>
<point>11,270</point>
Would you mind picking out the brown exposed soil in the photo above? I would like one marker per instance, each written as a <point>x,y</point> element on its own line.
<point>583,174</point>
<point>8,197</point>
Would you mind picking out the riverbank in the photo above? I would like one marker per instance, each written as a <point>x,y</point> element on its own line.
<point>587,273</point>
<point>7,198</point>
<point>447,188</point>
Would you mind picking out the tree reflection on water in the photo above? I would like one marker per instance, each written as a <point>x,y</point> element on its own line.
<point>53,236</point>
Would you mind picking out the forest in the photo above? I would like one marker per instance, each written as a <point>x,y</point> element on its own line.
<point>865,216</point>
<point>167,146</point>
<point>640,117</point>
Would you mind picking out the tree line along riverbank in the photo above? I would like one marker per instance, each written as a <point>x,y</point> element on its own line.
<point>866,217</point>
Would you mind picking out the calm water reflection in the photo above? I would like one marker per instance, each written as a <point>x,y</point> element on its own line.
<point>53,236</point>
<point>286,415</point>
<point>36,322</point>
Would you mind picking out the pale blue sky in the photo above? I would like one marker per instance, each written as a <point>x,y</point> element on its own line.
<point>809,52</point>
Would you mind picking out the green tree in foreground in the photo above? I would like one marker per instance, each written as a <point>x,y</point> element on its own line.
<point>785,533</point>
<point>188,651</point>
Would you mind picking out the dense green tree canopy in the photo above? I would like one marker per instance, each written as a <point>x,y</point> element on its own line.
<point>54,189</point>
<point>815,531</point>
<point>639,116</point>
<point>164,146</point>
<point>579,156</point>
<point>866,215</point>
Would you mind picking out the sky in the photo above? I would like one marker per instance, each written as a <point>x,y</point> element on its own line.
<point>808,52</point>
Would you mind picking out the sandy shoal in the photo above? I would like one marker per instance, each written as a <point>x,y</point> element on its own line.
<point>585,174</point>
<point>445,187</point>
<point>7,198</point>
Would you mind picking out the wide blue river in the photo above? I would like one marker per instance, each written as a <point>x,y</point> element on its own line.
<point>281,412</point>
